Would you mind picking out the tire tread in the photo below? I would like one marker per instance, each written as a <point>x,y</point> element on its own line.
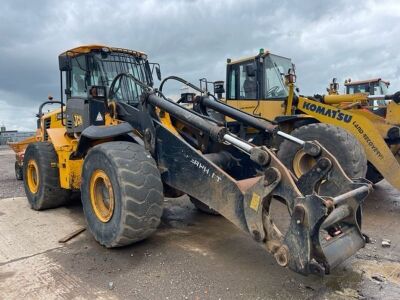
<point>141,191</point>
<point>357,165</point>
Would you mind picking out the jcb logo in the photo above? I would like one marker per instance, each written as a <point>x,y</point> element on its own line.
<point>332,113</point>
<point>77,120</point>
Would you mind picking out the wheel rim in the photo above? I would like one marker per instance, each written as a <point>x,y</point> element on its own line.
<point>33,176</point>
<point>101,196</point>
<point>302,163</point>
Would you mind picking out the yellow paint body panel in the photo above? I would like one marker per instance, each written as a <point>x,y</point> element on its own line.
<point>165,119</point>
<point>368,128</point>
<point>393,113</point>
<point>70,170</point>
<point>268,109</point>
<point>336,99</point>
<point>64,145</point>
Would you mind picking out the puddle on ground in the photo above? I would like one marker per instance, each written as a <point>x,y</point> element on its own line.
<point>380,271</point>
<point>343,284</point>
<point>345,279</point>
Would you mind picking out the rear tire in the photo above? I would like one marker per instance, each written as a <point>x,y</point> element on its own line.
<point>203,207</point>
<point>340,143</point>
<point>132,187</point>
<point>19,171</point>
<point>41,177</point>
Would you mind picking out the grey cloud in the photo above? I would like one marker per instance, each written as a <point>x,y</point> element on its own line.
<point>192,39</point>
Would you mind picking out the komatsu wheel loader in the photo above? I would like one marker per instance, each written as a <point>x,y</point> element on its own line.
<point>125,146</point>
<point>365,142</point>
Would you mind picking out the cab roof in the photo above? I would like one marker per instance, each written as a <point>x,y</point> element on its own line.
<point>243,59</point>
<point>88,48</point>
<point>366,81</point>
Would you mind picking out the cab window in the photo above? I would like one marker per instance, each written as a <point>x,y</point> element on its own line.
<point>275,69</point>
<point>247,81</point>
<point>232,84</point>
<point>78,77</point>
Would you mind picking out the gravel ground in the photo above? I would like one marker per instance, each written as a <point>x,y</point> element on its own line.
<point>191,256</point>
<point>9,186</point>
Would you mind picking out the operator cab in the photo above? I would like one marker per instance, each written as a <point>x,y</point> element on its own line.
<point>88,73</point>
<point>257,82</point>
<point>375,86</point>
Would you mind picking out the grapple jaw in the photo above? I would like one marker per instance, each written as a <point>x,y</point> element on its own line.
<point>325,223</point>
<point>324,232</point>
<point>325,228</point>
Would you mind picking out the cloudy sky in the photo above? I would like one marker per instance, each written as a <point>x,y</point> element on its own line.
<point>192,39</point>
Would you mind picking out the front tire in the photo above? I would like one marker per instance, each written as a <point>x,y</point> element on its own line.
<point>122,193</point>
<point>341,144</point>
<point>41,177</point>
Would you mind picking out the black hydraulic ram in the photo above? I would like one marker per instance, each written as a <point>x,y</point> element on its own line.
<point>227,110</point>
<point>261,124</point>
<point>216,132</point>
<point>258,123</point>
<point>238,115</point>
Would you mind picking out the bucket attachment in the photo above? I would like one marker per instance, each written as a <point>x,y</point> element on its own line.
<point>324,231</point>
<point>325,228</point>
<point>325,216</point>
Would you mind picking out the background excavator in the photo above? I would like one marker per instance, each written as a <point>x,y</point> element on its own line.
<point>124,146</point>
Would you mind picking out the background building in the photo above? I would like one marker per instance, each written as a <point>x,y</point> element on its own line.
<point>13,135</point>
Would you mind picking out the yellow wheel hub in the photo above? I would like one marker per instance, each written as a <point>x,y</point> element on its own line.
<point>302,163</point>
<point>33,176</point>
<point>101,196</point>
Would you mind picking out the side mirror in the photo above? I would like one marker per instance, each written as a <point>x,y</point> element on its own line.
<point>251,70</point>
<point>158,72</point>
<point>64,63</point>
<point>219,87</point>
<point>291,76</point>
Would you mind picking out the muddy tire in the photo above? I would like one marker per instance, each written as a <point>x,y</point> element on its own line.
<point>204,208</point>
<point>41,177</point>
<point>122,193</point>
<point>344,146</point>
<point>19,171</point>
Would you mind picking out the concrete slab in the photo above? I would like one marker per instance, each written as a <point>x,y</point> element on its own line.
<point>25,232</point>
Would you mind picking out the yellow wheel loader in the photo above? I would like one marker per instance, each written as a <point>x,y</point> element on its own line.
<point>374,86</point>
<point>125,146</point>
<point>364,141</point>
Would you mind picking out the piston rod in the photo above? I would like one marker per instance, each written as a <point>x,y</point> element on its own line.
<point>238,143</point>
<point>341,198</point>
<point>291,138</point>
